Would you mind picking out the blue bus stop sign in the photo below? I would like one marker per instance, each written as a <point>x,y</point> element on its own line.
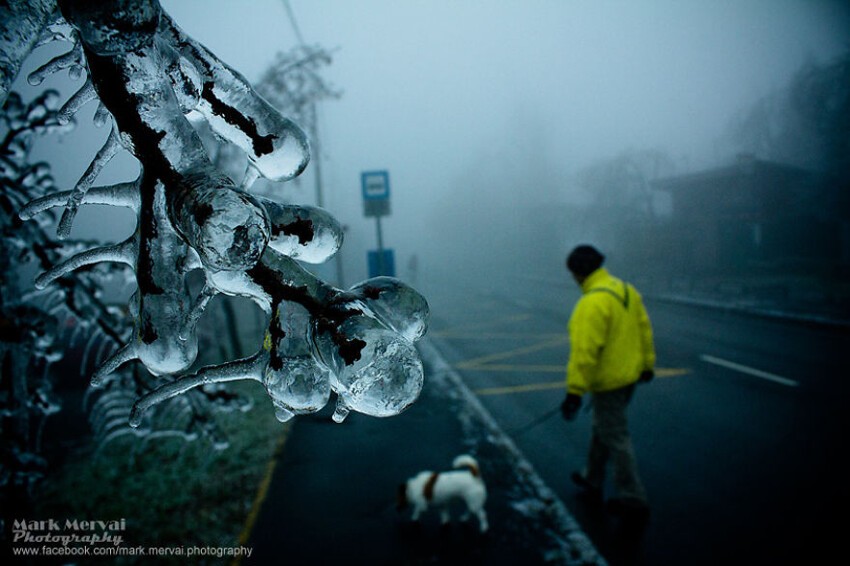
<point>376,192</point>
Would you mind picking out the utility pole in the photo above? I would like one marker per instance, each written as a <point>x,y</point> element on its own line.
<point>316,157</point>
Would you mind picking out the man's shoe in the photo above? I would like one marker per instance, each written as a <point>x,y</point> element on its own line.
<point>590,492</point>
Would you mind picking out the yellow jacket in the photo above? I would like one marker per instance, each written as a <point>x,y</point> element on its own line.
<point>610,336</point>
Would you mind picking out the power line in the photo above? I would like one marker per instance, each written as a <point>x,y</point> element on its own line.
<point>294,23</point>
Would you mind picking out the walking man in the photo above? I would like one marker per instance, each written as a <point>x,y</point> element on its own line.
<point>611,349</point>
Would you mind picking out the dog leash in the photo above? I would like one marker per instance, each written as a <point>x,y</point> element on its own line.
<point>542,418</point>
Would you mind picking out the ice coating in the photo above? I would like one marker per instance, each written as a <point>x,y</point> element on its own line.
<point>85,94</point>
<point>227,227</point>
<point>164,343</point>
<point>384,376</point>
<point>245,369</point>
<point>164,337</point>
<point>106,153</point>
<point>124,252</point>
<point>295,381</point>
<point>120,194</point>
<point>149,76</point>
<point>396,304</point>
<point>276,146</point>
<point>117,26</point>
<point>306,233</point>
<point>23,26</point>
<point>72,60</point>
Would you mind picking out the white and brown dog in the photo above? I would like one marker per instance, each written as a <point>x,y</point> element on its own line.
<point>440,489</point>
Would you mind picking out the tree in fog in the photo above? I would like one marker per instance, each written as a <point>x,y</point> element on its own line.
<point>807,123</point>
<point>621,210</point>
<point>294,84</point>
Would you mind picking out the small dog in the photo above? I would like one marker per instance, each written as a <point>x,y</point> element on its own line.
<point>439,489</point>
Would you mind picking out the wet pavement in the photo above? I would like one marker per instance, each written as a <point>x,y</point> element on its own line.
<point>331,495</point>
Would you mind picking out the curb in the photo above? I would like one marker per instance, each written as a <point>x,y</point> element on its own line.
<point>773,314</point>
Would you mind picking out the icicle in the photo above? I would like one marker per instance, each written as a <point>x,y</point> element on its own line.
<point>101,353</point>
<point>106,153</point>
<point>282,414</point>
<point>341,410</point>
<point>85,94</point>
<point>74,339</point>
<point>101,115</point>
<point>206,294</point>
<point>251,176</point>
<point>71,60</point>
<point>125,253</point>
<point>119,358</point>
<point>88,348</point>
<point>246,368</point>
<point>121,194</point>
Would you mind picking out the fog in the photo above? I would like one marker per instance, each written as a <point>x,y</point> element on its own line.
<point>483,113</point>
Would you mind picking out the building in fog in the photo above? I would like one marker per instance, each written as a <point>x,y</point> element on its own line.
<point>754,215</point>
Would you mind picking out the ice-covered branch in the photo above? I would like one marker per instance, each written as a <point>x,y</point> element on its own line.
<point>275,145</point>
<point>149,75</point>
<point>248,368</point>
<point>23,22</point>
<point>72,60</point>
<point>121,194</point>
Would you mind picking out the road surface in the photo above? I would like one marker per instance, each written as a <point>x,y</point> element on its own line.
<point>738,440</point>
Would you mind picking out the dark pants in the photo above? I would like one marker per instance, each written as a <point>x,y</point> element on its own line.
<point>611,441</point>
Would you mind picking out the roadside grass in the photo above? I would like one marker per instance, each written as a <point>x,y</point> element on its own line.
<point>171,493</point>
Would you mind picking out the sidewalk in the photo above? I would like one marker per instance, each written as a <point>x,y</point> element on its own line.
<point>776,302</point>
<point>821,317</point>
<point>332,493</point>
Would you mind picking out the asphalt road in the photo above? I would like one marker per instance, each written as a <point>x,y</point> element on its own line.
<point>739,440</point>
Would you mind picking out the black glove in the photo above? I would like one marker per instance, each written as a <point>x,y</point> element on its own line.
<point>570,406</point>
<point>646,376</point>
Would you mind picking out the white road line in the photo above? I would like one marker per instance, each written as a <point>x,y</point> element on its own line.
<point>749,370</point>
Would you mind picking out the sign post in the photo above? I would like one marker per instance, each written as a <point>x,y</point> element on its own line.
<point>376,202</point>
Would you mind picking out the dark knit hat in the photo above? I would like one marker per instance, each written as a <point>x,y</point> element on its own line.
<point>584,260</point>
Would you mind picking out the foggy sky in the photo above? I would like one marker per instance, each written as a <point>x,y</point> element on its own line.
<point>446,94</point>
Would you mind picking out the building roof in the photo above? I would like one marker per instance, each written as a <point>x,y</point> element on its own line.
<point>744,167</point>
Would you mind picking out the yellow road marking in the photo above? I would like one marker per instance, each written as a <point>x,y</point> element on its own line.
<point>262,492</point>
<point>510,389</point>
<point>547,341</point>
<point>515,352</point>
<point>671,372</point>
<point>520,388</point>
